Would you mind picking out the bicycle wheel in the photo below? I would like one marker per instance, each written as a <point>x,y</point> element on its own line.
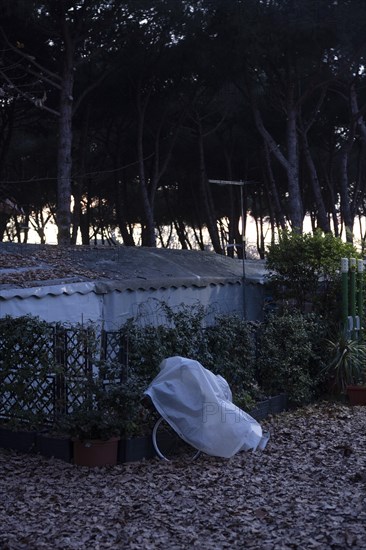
<point>169,445</point>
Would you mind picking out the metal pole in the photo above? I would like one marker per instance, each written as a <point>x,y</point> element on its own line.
<point>352,266</point>
<point>243,251</point>
<point>344,271</point>
<point>360,269</point>
<point>241,183</point>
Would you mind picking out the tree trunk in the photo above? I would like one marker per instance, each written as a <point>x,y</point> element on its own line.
<point>359,189</point>
<point>6,133</point>
<point>234,213</point>
<point>345,202</point>
<point>147,225</point>
<point>127,237</point>
<point>78,185</point>
<point>274,201</point>
<point>206,197</point>
<point>290,164</point>
<point>296,208</point>
<point>332,194</point>
<point>321,213</point>
<point>346,209</point>
<point>64,160</point>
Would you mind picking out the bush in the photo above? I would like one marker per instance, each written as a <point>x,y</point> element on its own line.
<point>37,358</point>
<point>231,342</point>
<point>289,357</point>
<point>306,270</point>
<point>226,348</point>
<point>27,357</point>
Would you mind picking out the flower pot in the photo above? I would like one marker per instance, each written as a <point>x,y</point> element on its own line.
<point>54,446</point>
<point>356,395</point>
<point>278,403</point>
<point>19,440</point>
<point>261,410</point>
<point>135,448</point>
<point>272,405</point>
<point>96,452</point>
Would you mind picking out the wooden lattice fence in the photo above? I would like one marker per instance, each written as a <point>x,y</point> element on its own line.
<point>42,381</point>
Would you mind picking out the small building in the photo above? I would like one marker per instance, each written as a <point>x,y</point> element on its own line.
<point>108,286</point>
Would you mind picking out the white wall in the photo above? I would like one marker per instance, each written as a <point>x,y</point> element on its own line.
<point>114,308</point>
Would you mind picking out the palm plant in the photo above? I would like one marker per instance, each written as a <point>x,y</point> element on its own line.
<point>347,361</point>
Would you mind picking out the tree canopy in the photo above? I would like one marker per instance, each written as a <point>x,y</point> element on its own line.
<point>115,115</point>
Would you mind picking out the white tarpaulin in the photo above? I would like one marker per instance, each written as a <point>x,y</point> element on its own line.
<point>198,405</point>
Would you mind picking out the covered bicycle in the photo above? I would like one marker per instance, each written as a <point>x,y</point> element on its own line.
<point>196,408</point>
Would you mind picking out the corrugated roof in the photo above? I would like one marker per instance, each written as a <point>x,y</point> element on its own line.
<point>45,269</point>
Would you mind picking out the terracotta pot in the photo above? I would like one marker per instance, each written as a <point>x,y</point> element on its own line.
<point>96,452</point>
<point>356,395</point>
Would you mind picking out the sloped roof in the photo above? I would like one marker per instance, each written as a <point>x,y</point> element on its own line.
<point>42,268</point>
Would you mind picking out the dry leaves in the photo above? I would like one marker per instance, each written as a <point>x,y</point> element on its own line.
<point>306,491</point>
<point>44,264</point>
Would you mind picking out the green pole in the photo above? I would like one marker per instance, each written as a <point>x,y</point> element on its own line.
<point>243,251</point>
<point>360,269</point>
<point>344,271</point>
<point>352,277</point>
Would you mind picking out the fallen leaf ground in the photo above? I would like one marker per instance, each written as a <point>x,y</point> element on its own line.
<point>306,491</point>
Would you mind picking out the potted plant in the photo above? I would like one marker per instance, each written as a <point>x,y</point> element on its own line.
<point>347,367</point>
<point>95,437</point>
<point>139,417</point>
<point>95,426</point>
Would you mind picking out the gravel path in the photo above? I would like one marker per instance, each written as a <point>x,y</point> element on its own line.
<point>306,491</point>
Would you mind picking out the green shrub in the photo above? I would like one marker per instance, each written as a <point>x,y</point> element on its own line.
<point>27,357</point>
<point>289,356</point>
<point>232,353</point>
<point>186,334</point>
<point>226,348</point>
<point>35,355</point>
<point>306,270</point>
<point>149,344</point>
